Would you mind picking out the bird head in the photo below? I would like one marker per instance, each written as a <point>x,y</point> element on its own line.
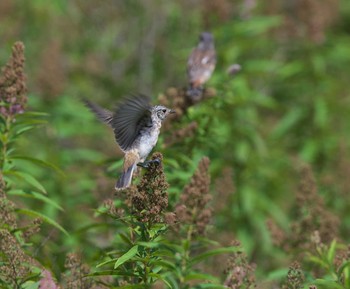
<point>206,37</point>
<point>206,41</point>
<point>160,112</point>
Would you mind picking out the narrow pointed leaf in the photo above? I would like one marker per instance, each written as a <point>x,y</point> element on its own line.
<point>106,262</point>
<point>37,196</point>
<point>342,267</point>
<point>210,286</point>
<point>214,252</point>
<point>24,129</point>
<point>331,252</point>
<point>160,277</point>
<point>46,219</point>
<point>200,276</point>
<point>27,178</point>
<point>327,284</point>
<point>39,162</point>
<point>33,113</point>
<point>126,257</point>
<point>136,286</point>
<point>111,273</point>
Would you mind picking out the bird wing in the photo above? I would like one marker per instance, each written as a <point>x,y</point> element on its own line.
<point>102,114</point>
<point>200,62</point>
<point>129,118</point>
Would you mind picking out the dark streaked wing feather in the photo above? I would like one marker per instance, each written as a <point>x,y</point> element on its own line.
<point>102,114</point>
<point>130,116</point>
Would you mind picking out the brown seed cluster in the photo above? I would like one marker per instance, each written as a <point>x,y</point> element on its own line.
<point>192,208</point>
<point>278,236</point>
<point>342,256</point>
<point>112,210</point>
<point>7,215</point>
<point>15,264</point>
<point>182,133</point>
<point>311,214</point>
<point>317,17</point>
<point>295,277</point>
<point>75,277</point>
<point>240,274</point>
<point>13,98</point>
<point>305,19</point>
<point>148,200</point>
<point>312,224</point>
<point>32,229</point>
<point>177,99</point>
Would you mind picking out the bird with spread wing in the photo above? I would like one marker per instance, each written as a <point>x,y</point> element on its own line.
<point>136,125</point>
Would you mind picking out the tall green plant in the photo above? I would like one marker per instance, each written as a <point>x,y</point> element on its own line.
<point>18,267</point>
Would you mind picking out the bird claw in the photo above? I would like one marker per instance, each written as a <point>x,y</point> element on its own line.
<point>146,164</point>
<point>156,161</point>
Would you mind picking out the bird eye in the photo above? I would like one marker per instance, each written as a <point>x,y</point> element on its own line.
<point>164,110</point>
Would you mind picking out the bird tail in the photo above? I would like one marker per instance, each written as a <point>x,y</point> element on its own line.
<point>131,158</point>
<point>125,179</point>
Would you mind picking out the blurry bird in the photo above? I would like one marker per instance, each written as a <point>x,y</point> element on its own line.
<point>136,126</point>
<point>200,65</point>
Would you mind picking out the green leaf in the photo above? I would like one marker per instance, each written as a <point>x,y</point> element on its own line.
<point>127,256</point>
<point>201,276</point>
<point>39,162</point>
<point>125,238</point>
<point>160,277</point>
<point>343,267</point>
<point>35,195</point>
<point>259,25</point>
<point>23,129</point>
<point>30,285</point>
<point>209,286</point>
<point>318,261</point>
<point>32,113</point>
<point>172,247</point>
<point>164,263</point>
<point>172,163</point>
<point>28,178</point>
<point>137,286</point>
<point>44,218</point>
<point>122,259</point>
<point>111,273</point>
<point>106,262</point>
<point>173,281</point>
<point>149,244</point>
<point>287,122</point>
<point>277,274</point>
<point>321,112</point>
<point>327,284</point>
<point>214,252</point>
<point>331,252</point>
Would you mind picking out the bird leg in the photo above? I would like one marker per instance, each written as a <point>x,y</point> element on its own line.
<point>146,164</point>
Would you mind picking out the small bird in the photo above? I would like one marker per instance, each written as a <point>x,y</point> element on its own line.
<point>136,125</point>
<point>200,65</point>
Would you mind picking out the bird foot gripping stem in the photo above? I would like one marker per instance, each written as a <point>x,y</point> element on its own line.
<point>146,164</point>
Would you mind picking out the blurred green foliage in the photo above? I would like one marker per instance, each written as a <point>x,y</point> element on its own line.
<point>289,105</point>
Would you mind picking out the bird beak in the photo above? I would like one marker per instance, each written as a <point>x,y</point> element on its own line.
<point>172,111</point>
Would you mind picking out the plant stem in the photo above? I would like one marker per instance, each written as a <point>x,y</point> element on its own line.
<point>5,142</point>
